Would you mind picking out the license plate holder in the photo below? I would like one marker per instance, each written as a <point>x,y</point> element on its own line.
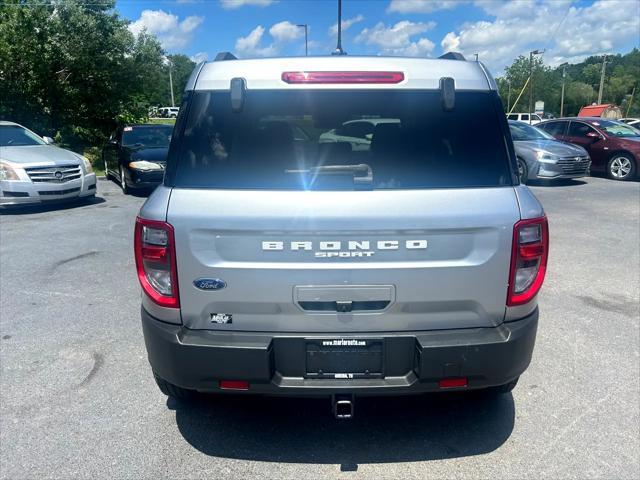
<point>344,358</point>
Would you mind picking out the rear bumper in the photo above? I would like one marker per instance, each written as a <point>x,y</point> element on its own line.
<point>414,362</point>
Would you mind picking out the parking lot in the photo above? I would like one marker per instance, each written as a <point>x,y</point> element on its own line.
<point>78,398</point>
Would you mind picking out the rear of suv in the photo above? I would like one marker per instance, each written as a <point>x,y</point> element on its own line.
<point>274,262</point>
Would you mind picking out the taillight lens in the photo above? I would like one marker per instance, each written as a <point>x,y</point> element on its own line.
<point>528,260</point>
<point>156,261</point>
<point>342,77</point>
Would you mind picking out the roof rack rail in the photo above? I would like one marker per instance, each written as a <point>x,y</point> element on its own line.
<point>452,56</point>
<point>223,56</point>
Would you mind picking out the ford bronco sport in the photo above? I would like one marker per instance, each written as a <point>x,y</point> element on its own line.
<point>275,263</point>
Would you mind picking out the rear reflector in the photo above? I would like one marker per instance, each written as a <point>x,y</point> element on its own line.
<point>342,77</point>
<point>453,382</point>
<point>234,385</point>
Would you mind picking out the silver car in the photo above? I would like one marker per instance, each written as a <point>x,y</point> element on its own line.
<point>34,171</point>
<point>270,265</point>
<point>540,156</point>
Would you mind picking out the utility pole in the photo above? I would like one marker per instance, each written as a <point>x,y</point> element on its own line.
<point>339,50</point>
<point>604,63</point>
<point>564,74</point>
<point>306,38</point>
<point>173,101</point>
<point>531,54</point>
<point>509,96</point>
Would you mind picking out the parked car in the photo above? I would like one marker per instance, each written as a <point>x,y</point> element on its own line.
<point>358,133</point>
<point>542,156</point>
<point>634,122</point>
<point>613,146</point>
<point>169,112</point>
<point>409,266</point>
<point>136,155</point>
<point>33,170</point>
<point>524,117</point>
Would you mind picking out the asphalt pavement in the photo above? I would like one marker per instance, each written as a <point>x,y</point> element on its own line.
<point>77,399</point>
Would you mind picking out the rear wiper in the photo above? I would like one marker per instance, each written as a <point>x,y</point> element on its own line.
<point>362,173</point>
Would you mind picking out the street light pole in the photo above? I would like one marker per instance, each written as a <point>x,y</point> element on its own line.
<point>531,54</point>
<point>173,101</point>
<point>509,96</point>
<point>306,38</point>
<point>564,75</point>
<point>339,50</point>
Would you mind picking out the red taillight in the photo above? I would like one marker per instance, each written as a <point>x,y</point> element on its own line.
<point>453,382</point>
<point>234,385</point>
<point>342,77</point>
<point>529,254</point>
<point>155,252</point>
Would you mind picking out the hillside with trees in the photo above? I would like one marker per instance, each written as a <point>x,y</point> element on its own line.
<point>582,81</point>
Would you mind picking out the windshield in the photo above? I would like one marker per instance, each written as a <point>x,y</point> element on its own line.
<point>521,132</point>
<point>617,129</point>
<point>16,136</point>
<point>377,139</point>
<point>147,136</point>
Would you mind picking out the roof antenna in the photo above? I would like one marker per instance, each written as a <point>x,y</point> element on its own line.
<point>339,50</point>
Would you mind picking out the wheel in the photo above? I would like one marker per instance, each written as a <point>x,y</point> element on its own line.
<point>523,171</point>
<point>502,389</point>
<point>123,182</point>
<point>621,167</point>
<point>171,390</point>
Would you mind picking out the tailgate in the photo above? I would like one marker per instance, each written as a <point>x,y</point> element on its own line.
<point>343,261</point>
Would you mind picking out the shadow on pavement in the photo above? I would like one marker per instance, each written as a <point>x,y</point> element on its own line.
<point>50,207</point>
<point>385,429</point>
<point>561,182</point>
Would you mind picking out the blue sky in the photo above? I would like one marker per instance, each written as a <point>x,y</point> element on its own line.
<point>497,31</point>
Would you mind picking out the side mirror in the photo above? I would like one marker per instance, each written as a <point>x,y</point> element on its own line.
<point>48,140</point>
<point>593,135</point>
<point>369,136</point>
<point>112,141</point>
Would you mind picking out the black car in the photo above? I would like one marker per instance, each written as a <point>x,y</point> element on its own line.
<point>136,155</point>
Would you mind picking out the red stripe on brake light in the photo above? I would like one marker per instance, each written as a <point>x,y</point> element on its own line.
<point>342,77</point>
<point>453,382</point>
<point>156,263</point>
<point>529,259</point>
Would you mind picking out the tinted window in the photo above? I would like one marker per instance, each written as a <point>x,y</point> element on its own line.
<point>524,117</point>
<point>617,129</point>
<point>15,136</point>
<point>513,116</point>
<point>524,132</point>
<point>554,128</point>
<point>579,129</point>
<point>417,146</point>
<point>356,129</point>
<point>147,136</point>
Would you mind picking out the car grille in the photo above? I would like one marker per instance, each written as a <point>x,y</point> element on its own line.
<point>59,192</point>
<point>571,166</point>
<point>57,174</point>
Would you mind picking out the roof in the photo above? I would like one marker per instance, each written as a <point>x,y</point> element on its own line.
<point>594,110</point>
<point>5,122</point>
<point>266,73</point>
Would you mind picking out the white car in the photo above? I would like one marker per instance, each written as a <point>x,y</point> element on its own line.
<point>358,133</point>
<point>34,171</point>
<point>524,117</point>
<point>169,112</point>
<point>634,122</point>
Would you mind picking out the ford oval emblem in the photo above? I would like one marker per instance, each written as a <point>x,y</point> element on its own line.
<point>210,283</point>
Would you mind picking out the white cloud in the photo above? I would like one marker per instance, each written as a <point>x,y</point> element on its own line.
<point>167,27</point>
<point>233,4</point>
<point>421,6</point>
<point>199,57</point>
<point>286,32</point>
<point>346,25</point>
<point>397,39</point>
<point>281,33</point>
<point>570,33</point>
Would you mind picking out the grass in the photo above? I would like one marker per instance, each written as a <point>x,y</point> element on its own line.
<point>163,121</point>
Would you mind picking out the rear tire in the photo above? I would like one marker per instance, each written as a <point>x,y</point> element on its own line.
<point>502,389</point>
<point>621,166</point>
<point>171,390</point>
<point>523,171</point>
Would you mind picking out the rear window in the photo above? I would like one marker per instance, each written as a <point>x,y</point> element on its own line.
<point>335,140</point>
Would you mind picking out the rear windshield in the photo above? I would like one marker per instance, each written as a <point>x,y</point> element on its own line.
<point>147,136</point>
<point>335,140</point>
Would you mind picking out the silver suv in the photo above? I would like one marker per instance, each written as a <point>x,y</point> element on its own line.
<point>275,263</point>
